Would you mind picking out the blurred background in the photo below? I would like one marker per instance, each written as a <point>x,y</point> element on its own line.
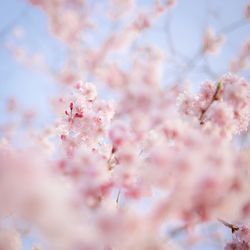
<point>36,64</point>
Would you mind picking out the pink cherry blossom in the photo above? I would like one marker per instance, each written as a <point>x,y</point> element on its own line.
<point>225,106</point>
<point>247,11</point>
<point>241,239</point>
<point>212,42</point>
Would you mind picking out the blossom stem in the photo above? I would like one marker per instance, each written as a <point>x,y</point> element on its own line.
<point>229,225</point>
<point>217,96</point>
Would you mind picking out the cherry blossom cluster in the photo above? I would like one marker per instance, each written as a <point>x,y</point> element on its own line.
<point>101,160</point>
<point>223,106</point>
<point>85,117</point>
<point>241,239</point>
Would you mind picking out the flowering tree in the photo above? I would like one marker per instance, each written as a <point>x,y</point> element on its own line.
<point>139,163</point>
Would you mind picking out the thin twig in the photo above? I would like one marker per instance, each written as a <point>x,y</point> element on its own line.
<point>169,35</point>
<point>112,160</point>
<point>217,96</point>
<point>233,26</point>
<point>233,227</point>
<point>118,197</point>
